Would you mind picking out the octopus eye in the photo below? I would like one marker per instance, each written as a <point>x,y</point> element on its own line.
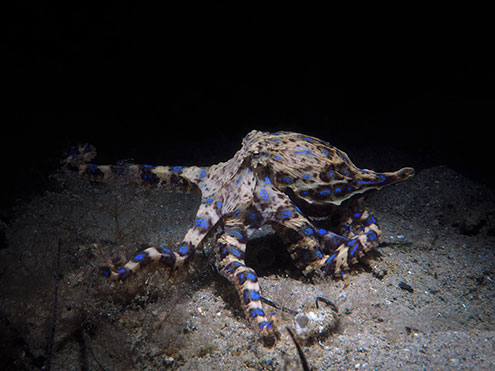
<point>255,154</point>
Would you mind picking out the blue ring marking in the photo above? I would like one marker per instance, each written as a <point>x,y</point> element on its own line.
<point>267,180</point>
<point>202,174</point>
<point>277,158</point>
<point>264,194</point>
<point>286,214</point>
<point>165,250</point>
<point>357,215</point>
<point>120,271</point>
<point>233,266</point>
<point>329,260</point>
<point>177,168</point>
<point>306,176</point>
<point>331,174</point>
<point>254,295</point>
<point>325,152</point>
<point>298,209</point>
<point>219,204</point>
<point>209,201</point>
<point>319,254</point>
<point>365,182</point>
<point>308,231</point>
<point>237,264</point>
<point>259,312</point>
<point>265,324</point>
<point>252,215</point>
<point>325,192</point>
<point>252,277</point>
<point>238,180</point>
<point>236,233</point>
<point>237,212</point>
<point>372,218</point>
<point>322,231</point>
<point>183,250</point>
<point>308,138</point>
<point>353,251</point>
<point>338,190</point>
<point>138,257</point>
<point>304,151</point>
<point>286,179</point>
<point>106,272</point>
<point>247,298</point>
<point>202,223</point>
<point>371,235</point>
<point>147,166</point>
<point>235,251</point>
<point>249,170</point>
<point>241,278</point>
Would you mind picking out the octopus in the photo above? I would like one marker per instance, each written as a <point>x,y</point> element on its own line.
<point>283,179</point>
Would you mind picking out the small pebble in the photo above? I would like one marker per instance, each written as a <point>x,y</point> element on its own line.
<point>404,286</point>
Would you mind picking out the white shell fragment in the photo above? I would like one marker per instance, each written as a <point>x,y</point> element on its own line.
<point>315,324</point>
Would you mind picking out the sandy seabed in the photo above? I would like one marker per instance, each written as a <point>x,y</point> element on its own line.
<point>425,300</point>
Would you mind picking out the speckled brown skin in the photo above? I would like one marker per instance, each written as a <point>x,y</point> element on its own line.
<point>279,179</point>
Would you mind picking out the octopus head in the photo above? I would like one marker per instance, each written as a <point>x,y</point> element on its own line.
<point>256,148</point>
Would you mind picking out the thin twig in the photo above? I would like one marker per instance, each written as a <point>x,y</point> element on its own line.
<point>277,306</point>
<point>304,361</point>
<point>327,302</point>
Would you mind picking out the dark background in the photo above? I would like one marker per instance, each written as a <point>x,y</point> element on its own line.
<point>412,87</point>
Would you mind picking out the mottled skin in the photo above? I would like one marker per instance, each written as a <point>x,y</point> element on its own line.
<point>279,179</point>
